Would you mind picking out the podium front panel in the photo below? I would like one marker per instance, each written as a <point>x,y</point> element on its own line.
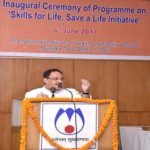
<point>33,136</point>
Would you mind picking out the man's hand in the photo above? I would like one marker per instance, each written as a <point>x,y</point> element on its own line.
<point>85,84</point>
<point>41,95</point>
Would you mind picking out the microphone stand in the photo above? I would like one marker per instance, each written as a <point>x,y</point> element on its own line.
<point>76,126</point>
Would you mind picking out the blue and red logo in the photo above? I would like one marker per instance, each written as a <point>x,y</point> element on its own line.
<point>69,121</point>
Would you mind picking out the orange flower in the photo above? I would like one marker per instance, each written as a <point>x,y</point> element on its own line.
<point>111,111</point>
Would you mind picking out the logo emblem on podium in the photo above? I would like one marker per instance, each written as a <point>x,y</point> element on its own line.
<point>73,121</point>
<point>68,125</point>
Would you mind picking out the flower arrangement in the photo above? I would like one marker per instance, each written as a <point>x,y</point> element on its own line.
<point>27,108</point>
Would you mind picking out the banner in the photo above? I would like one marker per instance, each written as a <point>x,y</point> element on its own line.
<point>106,29</point>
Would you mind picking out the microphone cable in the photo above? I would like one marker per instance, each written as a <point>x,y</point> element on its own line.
<point>76,126</point>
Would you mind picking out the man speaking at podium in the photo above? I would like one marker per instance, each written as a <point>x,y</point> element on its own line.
<point>54,87</point>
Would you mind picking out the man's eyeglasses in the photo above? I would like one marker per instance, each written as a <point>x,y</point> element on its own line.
<point>56,79</point>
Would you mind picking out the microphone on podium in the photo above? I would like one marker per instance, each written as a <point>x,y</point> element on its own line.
<point>76,126</point>
<point>69,92</point>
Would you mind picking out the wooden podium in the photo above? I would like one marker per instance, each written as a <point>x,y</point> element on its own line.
<point>105,142</point>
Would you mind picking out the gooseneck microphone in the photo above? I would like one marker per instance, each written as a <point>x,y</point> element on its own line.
<point>70,93</point>
<point>74,104</point>
<point>53,90</point>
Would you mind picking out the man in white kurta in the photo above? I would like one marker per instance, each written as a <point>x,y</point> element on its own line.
<point>65,93</point>
<point>53,87</point>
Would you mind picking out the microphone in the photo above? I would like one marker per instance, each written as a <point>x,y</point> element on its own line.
<point>74,104</point>
<point>70,93</point>
<point>53,90</point>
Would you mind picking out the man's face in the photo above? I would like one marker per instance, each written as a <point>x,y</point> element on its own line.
<point>55,80</point>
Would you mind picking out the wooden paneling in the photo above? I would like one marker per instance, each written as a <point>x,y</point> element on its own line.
<point>134,118</point>
<point>86,70</point>
<point>5,131</point>
<point>134,86</point>
<point>15,138</point>
<point>13,82</point>
<point>102,74</point>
